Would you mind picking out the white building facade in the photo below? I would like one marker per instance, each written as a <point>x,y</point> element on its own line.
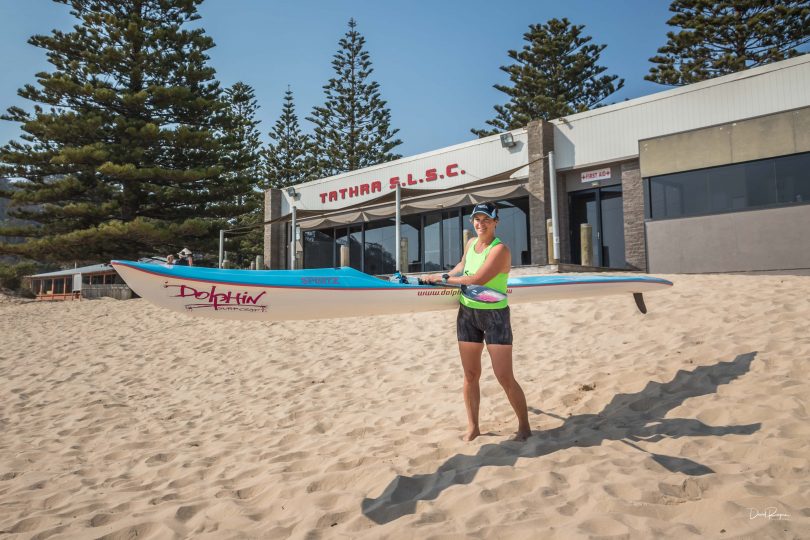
<point>710,177</point>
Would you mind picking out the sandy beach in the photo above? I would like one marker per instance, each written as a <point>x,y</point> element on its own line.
<point>122,420</point>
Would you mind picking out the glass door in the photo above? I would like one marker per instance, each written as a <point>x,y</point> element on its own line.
<point>612,222</point>
<point>584,209</point>
<point>602,209</point>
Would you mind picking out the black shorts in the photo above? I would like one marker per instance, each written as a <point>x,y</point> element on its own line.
<point>478,325</point>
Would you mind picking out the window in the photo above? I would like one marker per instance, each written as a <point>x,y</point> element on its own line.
<point>793,179</point>
<point>451,239</point>
<point>412,241</point>
<point>380,254</point>
<point>430,242</point>
<point>513,229</point>
<point>431,236</point>
<point>356,247</point>
<point>319,248</point>
<point>731,188</point>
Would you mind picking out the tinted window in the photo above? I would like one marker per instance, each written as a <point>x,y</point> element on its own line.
<point>410,229</point>
<point>679,194</point>
<point>319,249</point>
<point>356,247</point>
<point>380,257</point>
<point>432,240</point>
<point>513,229</point>
<point>451,239</point>
<point>793,178</point>
<point>731,188</point>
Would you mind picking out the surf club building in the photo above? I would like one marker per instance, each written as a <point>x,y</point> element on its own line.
<point>710,177</point>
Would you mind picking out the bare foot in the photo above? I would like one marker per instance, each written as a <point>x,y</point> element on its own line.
<point>472,434</point>
<point>521,436</point>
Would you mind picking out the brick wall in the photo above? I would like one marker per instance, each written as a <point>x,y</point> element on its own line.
<point>635,250</point>
<point>541,142</point>
<point>275,234</point>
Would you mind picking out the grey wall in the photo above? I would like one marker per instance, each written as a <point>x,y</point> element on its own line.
<point>746,140</point>
<point>772,239</point>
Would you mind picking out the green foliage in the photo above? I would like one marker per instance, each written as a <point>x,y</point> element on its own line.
<point>555,74</point>
<point>285,157</point>
<point>119,239</point>
<point>11,275</point>
<point>242,148</point>
<point>245,159</point>
<point>718,37</point>
<point>128,149</point>
<point>245,241</point>
<point>353,127</point>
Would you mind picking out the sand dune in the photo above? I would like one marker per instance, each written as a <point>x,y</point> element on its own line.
<point>121,420</point>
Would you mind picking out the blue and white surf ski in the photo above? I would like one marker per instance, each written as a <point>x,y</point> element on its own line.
<point>280,295</point>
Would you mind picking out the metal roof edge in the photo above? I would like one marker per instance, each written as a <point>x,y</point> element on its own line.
<point>695,87</point>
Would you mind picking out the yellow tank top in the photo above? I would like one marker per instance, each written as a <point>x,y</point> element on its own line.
<point>472,263</point>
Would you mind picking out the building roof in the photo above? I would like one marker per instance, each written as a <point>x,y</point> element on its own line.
<point>612,133</point>
<point>93,269</point>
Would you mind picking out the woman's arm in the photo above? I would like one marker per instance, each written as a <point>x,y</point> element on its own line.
<point>499,260</point>
<point>457,270</point>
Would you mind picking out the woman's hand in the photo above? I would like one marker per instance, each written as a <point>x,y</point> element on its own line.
<point>432,278</point>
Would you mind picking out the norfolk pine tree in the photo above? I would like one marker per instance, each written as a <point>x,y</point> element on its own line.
<point>244,162</point>
<point>123,153</point>
<point>555,74</point>
<point>242,155</point>
<point>285,164</point>
<point>721,37</point>
<point>353,127</point>
<point>285,157</point>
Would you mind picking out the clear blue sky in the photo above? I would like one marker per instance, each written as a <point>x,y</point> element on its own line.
<point>436,61</point>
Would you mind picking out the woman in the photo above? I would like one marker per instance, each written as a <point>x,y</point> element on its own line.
<point>487,262</point>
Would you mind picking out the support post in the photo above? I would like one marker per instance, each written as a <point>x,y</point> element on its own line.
<point>552,180</point>
<point>550,241</point>
<point>403,256</point>
<point>397,230</point>
<point>293,226</point>
<point>586,243</point>
<point>221,246</point>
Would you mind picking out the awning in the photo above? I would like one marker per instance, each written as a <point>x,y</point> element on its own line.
<point>510,183</point>
<point>468,196</point>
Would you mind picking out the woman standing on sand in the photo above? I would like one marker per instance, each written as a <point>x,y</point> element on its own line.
<point>487,262</point>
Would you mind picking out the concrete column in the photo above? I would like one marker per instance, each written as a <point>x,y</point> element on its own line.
<point>541,141</point>
<point>275,235</point>
<point>635,247</point>
<point>403,256</point>
<point>586,244</point>
<point>550,242</point>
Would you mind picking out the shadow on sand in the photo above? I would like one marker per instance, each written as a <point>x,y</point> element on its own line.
<point>628,417</point>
